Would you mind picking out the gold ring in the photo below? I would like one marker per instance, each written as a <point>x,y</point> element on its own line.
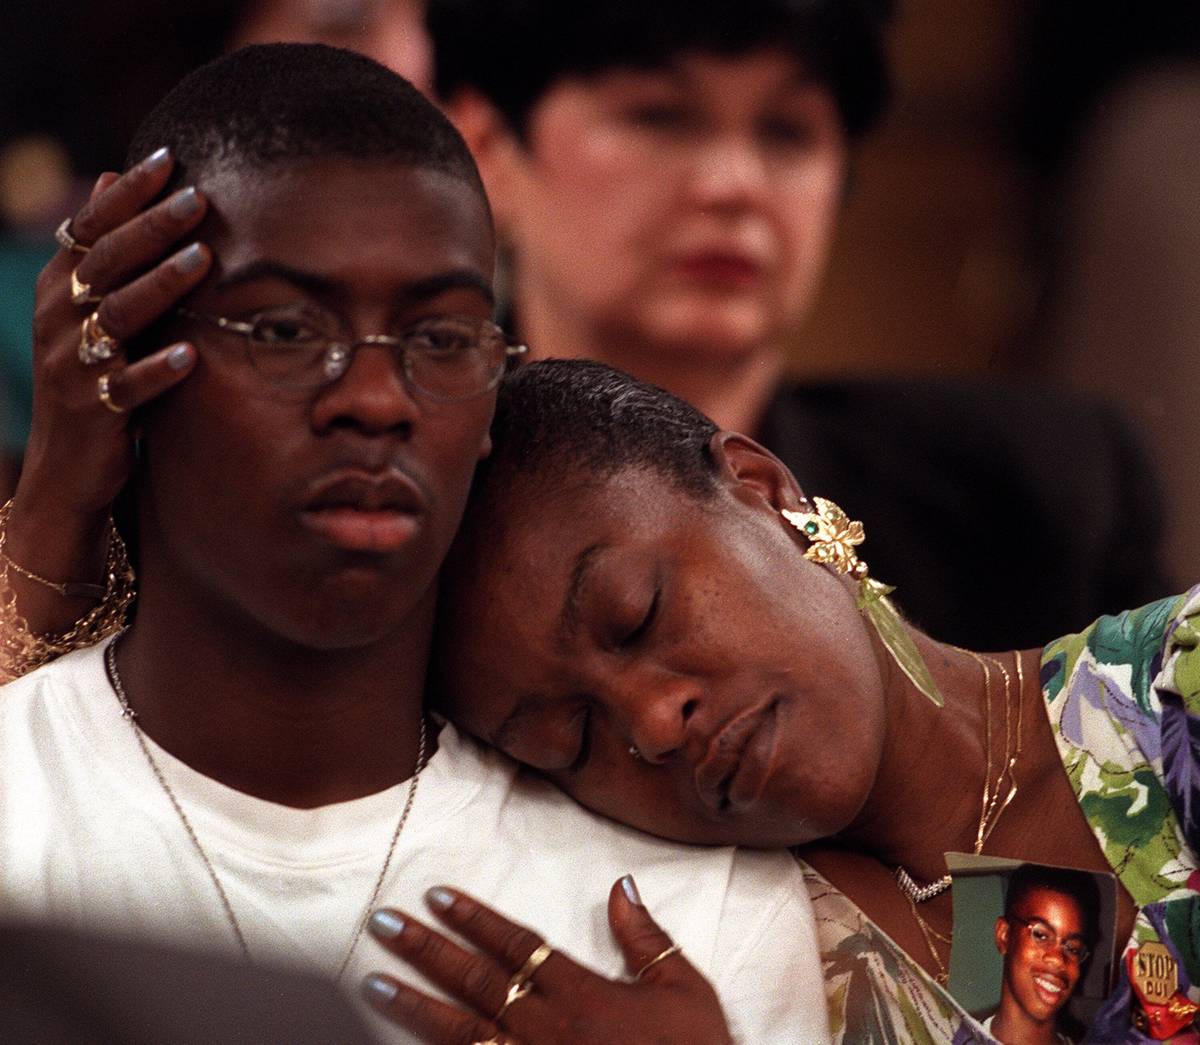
<point>68,242</point>
<point>520,984</point>
<point>103,393</point>
<point>95,344</point>
<point>81,293</point>
<point>673,949</point>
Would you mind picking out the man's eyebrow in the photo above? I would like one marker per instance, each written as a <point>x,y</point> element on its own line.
<point>256,270</point>
<point>415,292</point>
<point>568,616</point>
<point>455,279</point>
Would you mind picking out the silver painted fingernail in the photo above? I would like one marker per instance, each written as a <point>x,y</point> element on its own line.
<point>377,989</point>
<point>184,203</point>
<point>179,356</point>
<point>440,898</point>
<point>631,891</point>
<point>387,924</point>
<point>156,159</point>
<point>189,259</point>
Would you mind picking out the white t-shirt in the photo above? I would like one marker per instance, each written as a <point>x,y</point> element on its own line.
<point>89,838</point>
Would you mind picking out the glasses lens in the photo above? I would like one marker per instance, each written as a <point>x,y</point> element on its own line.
<point>288,346</point>
<point>1046,939</point>
<point>454,358</point>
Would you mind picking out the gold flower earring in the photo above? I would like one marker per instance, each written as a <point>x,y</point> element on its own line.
<point>832,539</point>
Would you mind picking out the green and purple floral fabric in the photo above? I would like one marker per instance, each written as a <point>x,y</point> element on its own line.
<point>1124,703</point>
<point>1123,699</point>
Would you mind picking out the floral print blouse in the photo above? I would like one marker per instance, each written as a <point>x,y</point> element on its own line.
<point>1123,699</point>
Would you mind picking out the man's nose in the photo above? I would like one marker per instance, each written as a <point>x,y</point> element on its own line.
<point>1054,951</point>
<point>372,395</point>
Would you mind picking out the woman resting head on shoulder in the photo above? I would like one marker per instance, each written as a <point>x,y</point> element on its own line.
<point>629,611</point>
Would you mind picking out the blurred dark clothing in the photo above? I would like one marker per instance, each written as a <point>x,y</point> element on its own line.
<point>87,73</point>
<point>57,988</point>
<point>1074,54</point>
<point>1005,516</point>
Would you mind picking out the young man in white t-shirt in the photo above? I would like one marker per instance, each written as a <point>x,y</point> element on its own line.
<point>239,770</point>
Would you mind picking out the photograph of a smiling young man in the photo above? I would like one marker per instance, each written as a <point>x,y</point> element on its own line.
<point>1037,946</point>
<point>1045,936</point>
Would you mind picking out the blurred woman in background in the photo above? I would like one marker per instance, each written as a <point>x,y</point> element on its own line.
<point>668,178</point>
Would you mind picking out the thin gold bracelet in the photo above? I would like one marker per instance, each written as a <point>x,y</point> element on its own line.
<point>22,650</point>
<point>69,589</point>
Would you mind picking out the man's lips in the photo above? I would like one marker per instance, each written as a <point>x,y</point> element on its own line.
<point>1051,987</point>
<point>370,511</point>
<point>738,761</point>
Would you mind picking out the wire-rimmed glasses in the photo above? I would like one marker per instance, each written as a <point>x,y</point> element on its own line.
<point>444,357</point>
<point>1046,939</point>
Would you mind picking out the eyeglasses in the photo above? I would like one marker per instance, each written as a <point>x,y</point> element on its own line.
<point>446,357</point>
<point>1046,939</point>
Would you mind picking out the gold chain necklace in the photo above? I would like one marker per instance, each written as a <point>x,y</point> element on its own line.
<point>127,712</point>
<point>991,805</point>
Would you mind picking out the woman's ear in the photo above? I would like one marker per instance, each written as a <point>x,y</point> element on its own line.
<point>494,145</point>
<point>753,471</point>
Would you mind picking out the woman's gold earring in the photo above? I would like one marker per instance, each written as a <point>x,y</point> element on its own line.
<point>832,539</point>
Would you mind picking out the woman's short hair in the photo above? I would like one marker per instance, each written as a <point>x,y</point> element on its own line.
<point>562,421</point>
<point>513,51</point>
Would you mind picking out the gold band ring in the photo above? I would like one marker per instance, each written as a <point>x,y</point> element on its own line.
<point>662,956</point>
<point>102,392</point>
<point>521,983</point>
<point>81,293</point>
<point>63,236</point>
<point>95,344</point>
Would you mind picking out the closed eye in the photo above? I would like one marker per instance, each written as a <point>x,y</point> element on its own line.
<point>585,739</point>
<point>646,622</point>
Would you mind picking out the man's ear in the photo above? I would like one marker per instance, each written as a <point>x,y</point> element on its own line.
<point>495,146</point>
<point>752,471</point>
<point>1002,935</point>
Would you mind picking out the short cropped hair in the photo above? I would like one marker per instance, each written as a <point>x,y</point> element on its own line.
<point>514,51</point>
<point>271,103</point>
<point>1079,885</point>
<point>561,420</point>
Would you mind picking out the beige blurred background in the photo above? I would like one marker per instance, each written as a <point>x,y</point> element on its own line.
<point>931,269</point>
<point>1030,209</point>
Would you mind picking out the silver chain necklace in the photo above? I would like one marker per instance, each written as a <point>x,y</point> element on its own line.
<point>921,893</point>
<point>127,712</point>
